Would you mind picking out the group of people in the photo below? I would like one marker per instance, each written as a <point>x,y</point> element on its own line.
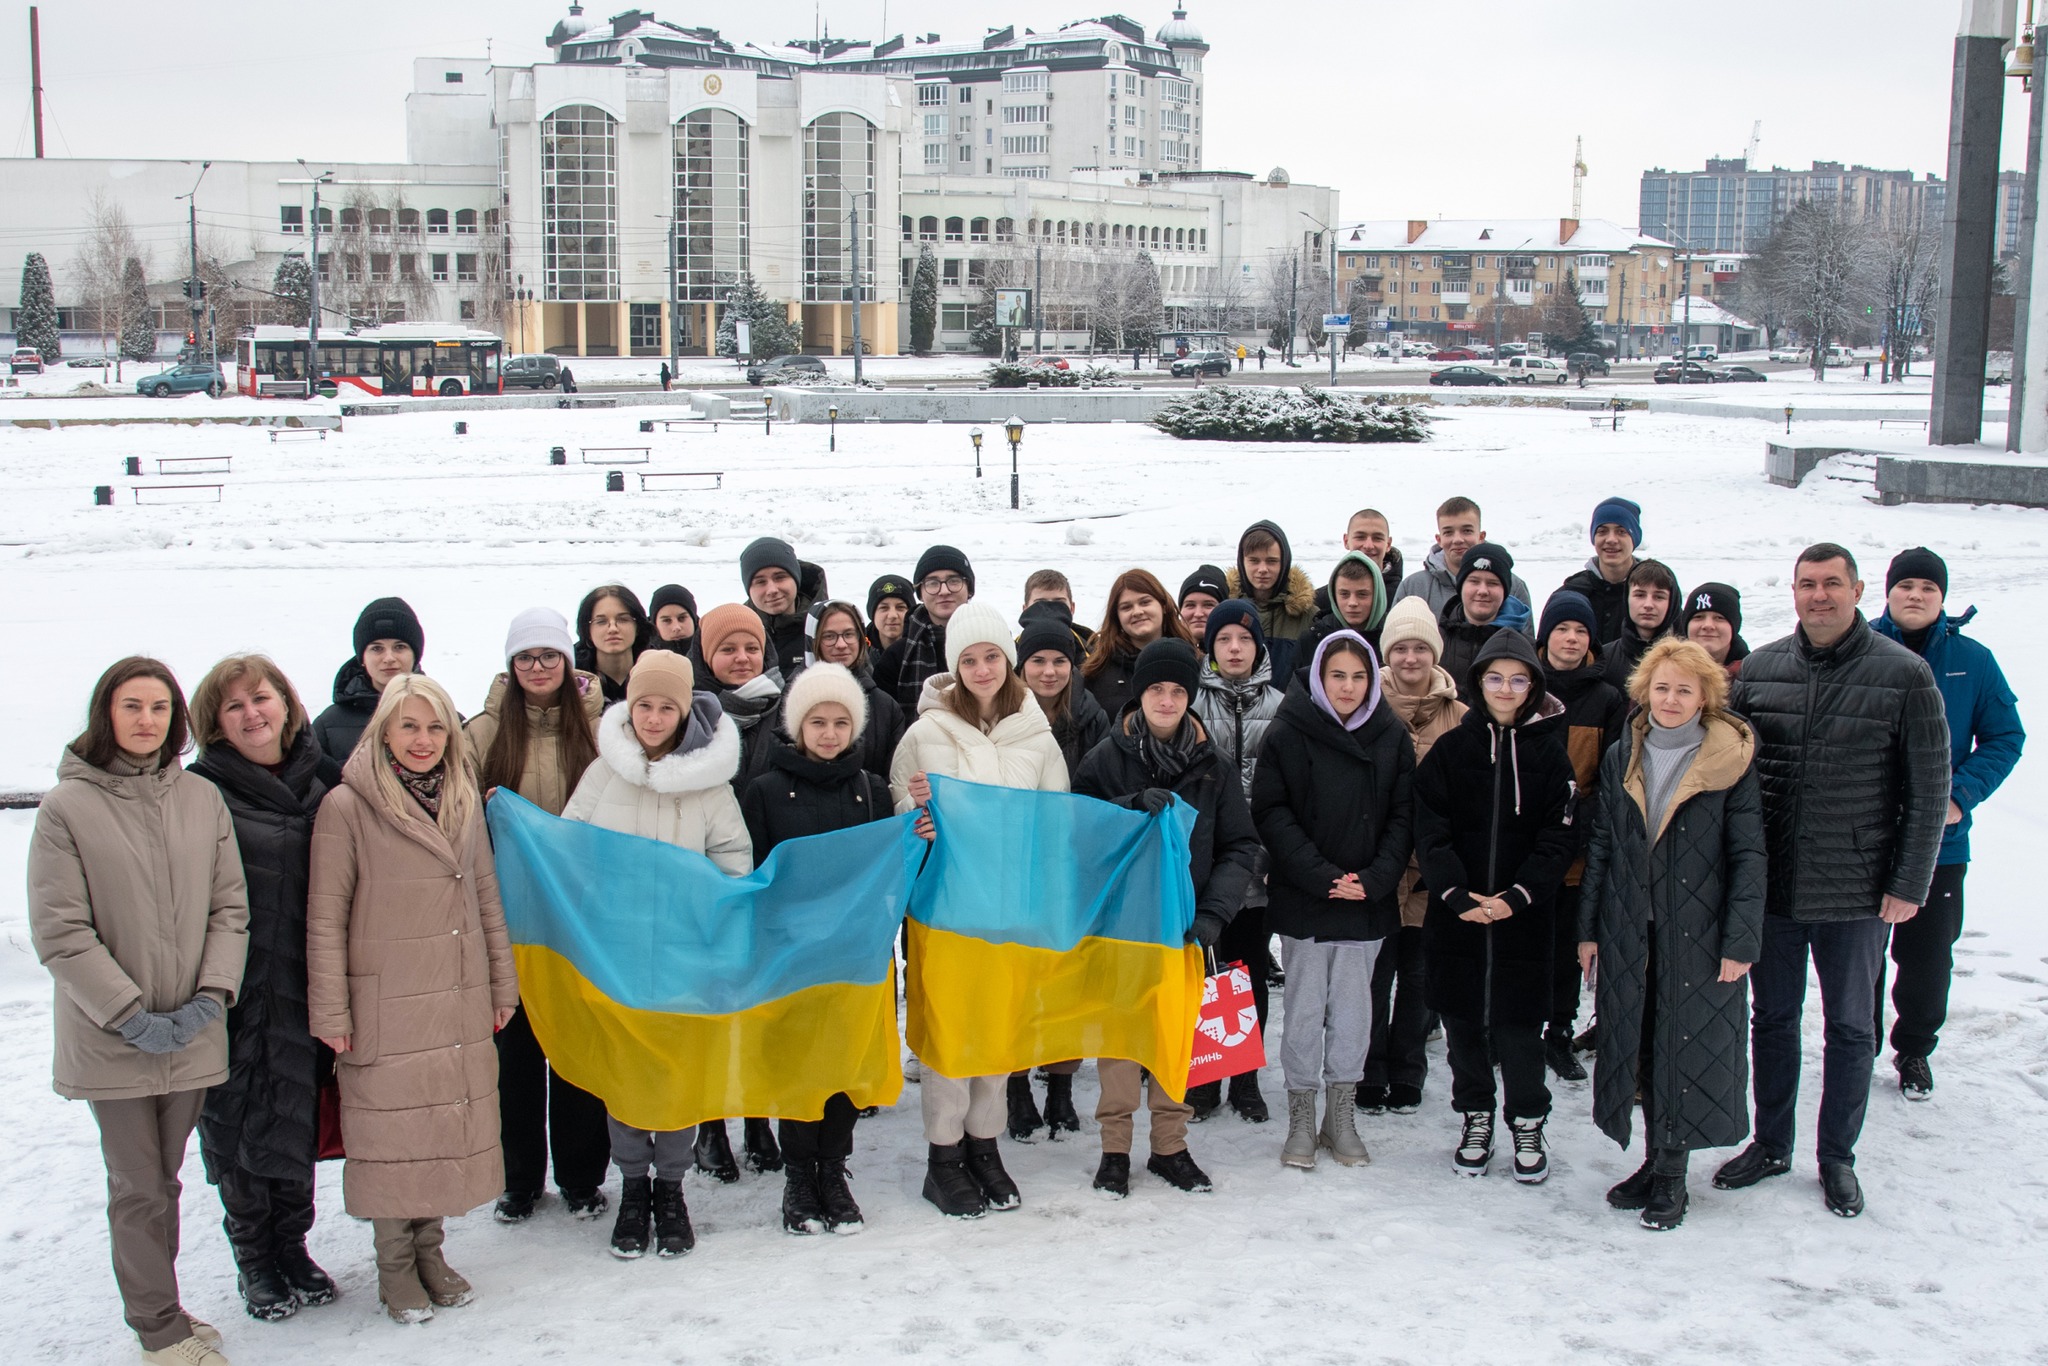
<point>1452,809</point>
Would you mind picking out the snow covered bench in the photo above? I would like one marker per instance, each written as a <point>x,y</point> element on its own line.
<point>193,464</point>
<point>658,481</point>
<point>616,455</point>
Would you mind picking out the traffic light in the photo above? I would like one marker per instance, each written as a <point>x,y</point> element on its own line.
<point>192,289</point>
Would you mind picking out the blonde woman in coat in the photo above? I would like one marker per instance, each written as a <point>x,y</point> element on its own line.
<point>137,906</point>
<point>978,722</point>
<point>409,974</point>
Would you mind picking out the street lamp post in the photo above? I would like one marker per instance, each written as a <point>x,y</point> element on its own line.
<point>193,289</point>
<point>832,417</point>
<point>975,437</point>
<point>1014,429</point>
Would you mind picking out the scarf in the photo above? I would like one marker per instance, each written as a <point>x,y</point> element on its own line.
<point>424,788</point>
<point>1166,760</point>
<point>752,700</point>
<point>923,655</point>
<point>1667,753</point>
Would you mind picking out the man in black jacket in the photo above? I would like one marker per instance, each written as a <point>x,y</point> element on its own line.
<point>1156,751</point>
<point>1852,752</point>
<point>944,581</point>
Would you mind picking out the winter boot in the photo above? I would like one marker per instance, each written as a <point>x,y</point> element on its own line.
<point>673,1236</point>
<point>1403,1099</point>
<point>757,1137</point>
<point>948,1186</point>
<point>713,1152</point>
<point>629,1229</point>
<point>1113,1176</point>
<point>985,1165</point>
<point>1204,1100</point>
<point>1475,1147</point>
<point>516,1207</point>
<point>312,1285</point>
<point>1588,1040</point>
<point>445,1286</point>
<point>1557,1052</point>
<point>1371,1100</point>
<point>802,1211</point>
<point>1340,1126</point>
<point>584,1203</point>
<point>1665,1208</point>
<point>265,1296</point>
<point>1300,1148</point>
<point>1246,1100</point>
<point>1634,1192</point>
<point>192,1351</point>
<point>1840,1189</point>
<point>1532,1162</point>
<point>1916,1078</point>
<point>1179,1171</point>
<point>1753,1164</point>
<point>1060,1117</point>
<point>1024,1118</point>
<point>398,1278</point>
<point>842,1215</point>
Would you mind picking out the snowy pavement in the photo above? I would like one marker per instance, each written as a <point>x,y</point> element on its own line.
<point>1399,1261</point>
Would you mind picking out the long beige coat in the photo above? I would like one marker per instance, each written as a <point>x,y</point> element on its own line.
<point>135,901</point>
<point>543,783</point>
<point>1019,751</point>
<point>406,953</point>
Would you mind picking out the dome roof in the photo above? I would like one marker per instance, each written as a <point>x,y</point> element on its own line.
<point>1278,176</point>
<point>575,26</point>
<point>1178,30</point>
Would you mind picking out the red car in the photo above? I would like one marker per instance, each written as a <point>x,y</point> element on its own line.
<point>1453,353</point>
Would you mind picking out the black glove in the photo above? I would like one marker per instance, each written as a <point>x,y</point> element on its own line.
<point>1154,800</point>
<point>152,1031</point>
<point>1207,929</point>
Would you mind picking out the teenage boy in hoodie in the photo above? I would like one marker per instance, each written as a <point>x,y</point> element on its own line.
<point>1616,531</point>
<point>1357,594</point>
<point>1712,619</point>
<point>1371,535</point>
<point>1484,606</point>
<point>1652,612</point>
<point>1267,576</point>
<point>1458,530</point>
<point>1594,714</point>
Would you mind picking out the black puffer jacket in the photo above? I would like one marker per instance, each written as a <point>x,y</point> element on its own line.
<point>1594,713</point>
<point>800,796</point>
<point>759,722</point>
<point>337,729</point>
<point>1330,801</point>
<point>1853,755</point>
<point>1610,600</point>
<point>264,1119</point>
<point>1697,888</point>
<point>1493,812</point>
<point>1223,848</point>
<point>1111,684</point>
<point>1462,642</point>
<point>1084,726</point>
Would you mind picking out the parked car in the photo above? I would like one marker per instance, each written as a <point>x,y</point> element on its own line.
<point>1791,353</point>
<point>533,372</point>
<point>1453,353</point>
<point>1513,349</point>
<point>1465,374</point>
<point>1742,374</point>
<point>186,377</point>
<point>1202,363</point>
<point>1592,362</point>
<point>1529,369</point>
<point>778,367</point>
<point>26,360</point>
<point>1703,351</point>
<point>1685,372</point>
<point>1840,355</point>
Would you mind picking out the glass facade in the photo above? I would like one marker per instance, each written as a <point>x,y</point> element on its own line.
<point>839,165</point>
<point>579,185</point>
<point>711,209</point>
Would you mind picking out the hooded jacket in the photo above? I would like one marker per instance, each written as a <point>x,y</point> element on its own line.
<point>341,724</point>
<point>135,902</point>
<point>1328,621</point>
<point>1985,736</point>
<point>1594,714</point>
<point>1620,655</point>
<point>684,798</point>
<point>1019,751</point>
<point>1610,600</point>
<point>1291,609</point>
<point>1436,585</point>
<point>785,631</point>
<point>1428,718</point>
<point>542,782</point>
<point>1238,712</point>
<point>1392,574</point>
<point>1462,642</point>
<point>1493,816</point>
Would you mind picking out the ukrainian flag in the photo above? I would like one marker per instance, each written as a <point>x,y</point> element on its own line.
<point>678,994</point>
<point>1048,926</point>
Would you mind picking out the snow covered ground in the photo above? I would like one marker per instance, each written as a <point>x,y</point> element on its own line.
<point>1400,1261</point>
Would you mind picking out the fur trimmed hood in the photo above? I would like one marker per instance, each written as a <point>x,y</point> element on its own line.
<point>708,757</point>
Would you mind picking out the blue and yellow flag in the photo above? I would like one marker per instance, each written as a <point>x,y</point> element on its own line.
<point>1048,926</point>
<point>678,994</point>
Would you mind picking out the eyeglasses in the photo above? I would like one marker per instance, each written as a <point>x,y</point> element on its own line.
<point>944,583</point>
<point>1517,685</point>
<point>546,659</point>
<point>839,637</point>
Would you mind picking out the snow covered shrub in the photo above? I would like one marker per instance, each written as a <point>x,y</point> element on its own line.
<point>1218,412</point>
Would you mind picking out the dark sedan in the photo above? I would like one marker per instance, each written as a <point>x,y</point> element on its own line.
<point>1465,374</point>
<point>1743,374</point>
<point>1685,372</point>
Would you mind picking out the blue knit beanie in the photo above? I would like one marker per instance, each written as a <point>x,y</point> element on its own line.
<point>1622,512</point>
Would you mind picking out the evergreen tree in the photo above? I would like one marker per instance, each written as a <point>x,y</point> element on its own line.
<point>987,337</point>
<point>924,302</point>
<point>1566,325</point>
<point>771,333</point>
<point>35,321</point>
<point>138,320</point>
<point>293,286</point>
<point>1145,306</point>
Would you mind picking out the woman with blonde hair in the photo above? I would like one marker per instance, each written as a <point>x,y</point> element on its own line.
<point>409,974</point>
<point>1140,611</point>
<point>1671,917</point>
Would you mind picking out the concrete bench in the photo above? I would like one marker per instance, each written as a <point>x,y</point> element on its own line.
<point>684,424</point>
<point>155,494</point>
<point>1919,422</point>
<point>1586,405</point>
<point>193,464</point>
<point>1612,420</point>
<point>616,455</point>
<point>659,481</point>
<point>280,388</point>
<point>319,433</point>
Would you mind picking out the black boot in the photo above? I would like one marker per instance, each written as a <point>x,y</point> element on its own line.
<point>673,1235</point>
<point>1024,1118</point>
<point>516,1207</point>
<point>947,1184</point>
<point>587,1202</point>
<point>1113,1176</point>
<point>291,1219</point>
<point>842,1215</point>
<point>629,1228</point>
<point>802,1211</point>
<point>1246,1100</point>
<point>303,1275</point>
<point>1059,1105</point>
<point>264,1294</point>
<point>1206,1100</point>
<point>1634,1191</point>
<point>1753,1164</point>
<point>246,1200</point>
<point>985,1165</point>
<point>1372,1100</point>
<point>757,1136</point>
<point>1179,1171</point>
<point>1557,1052</point>
<point>713,1152</point>
<point>1665,1208</point>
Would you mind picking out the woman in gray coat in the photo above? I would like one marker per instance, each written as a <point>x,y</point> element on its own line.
<point>1671,916</point>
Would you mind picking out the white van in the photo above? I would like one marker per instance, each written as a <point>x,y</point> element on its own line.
<point>1840,355</point>
<point>1529,369</point>
<point>1703,351</point>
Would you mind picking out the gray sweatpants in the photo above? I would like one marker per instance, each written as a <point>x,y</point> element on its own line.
<point>1327,1026</point>
<point>669,1152</point>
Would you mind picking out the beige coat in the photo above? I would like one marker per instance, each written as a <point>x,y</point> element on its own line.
<point>135,902</point>
<point>683,798</point>
<point>1427,717</point>
<point>1019,752</point>
<point>543,783</point>
<point>406,953</point>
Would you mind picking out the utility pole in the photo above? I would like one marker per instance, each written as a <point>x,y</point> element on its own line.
<point>1685,284</point>
<point>35,73</point>
<point>1329,341</point>
<point>675,300</point>
<point>854,242</point>
<point>1038,300</point>
<point>313,286</point>
<point>1293,301</point>
<point>194,290</point>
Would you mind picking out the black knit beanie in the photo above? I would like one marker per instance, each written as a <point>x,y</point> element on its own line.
<point>941,558</point>
<point>390,619</point>
<point>1917,563</point>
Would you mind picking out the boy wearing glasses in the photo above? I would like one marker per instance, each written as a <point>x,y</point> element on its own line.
<point>944,583</point>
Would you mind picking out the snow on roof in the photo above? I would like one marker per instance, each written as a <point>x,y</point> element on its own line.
<point>1706,313</point>
<point>1493,234</point>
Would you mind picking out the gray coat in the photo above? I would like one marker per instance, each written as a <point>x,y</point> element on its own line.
<point>1697,889</point>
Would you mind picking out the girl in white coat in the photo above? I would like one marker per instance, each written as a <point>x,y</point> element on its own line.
<point>665,760</point>
<point>976,722</point>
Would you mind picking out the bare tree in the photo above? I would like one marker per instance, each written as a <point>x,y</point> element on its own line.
<point>98,268</point>
<point>1902,286</point>
<point>1817,263</point>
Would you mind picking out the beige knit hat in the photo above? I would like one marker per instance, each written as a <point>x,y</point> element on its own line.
<point>661,673</point>
<point>1411,619</point>
<point>820,683</point>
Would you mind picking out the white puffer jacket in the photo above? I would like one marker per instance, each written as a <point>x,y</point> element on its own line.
<point>1019,752</point>
<point>683,798</point>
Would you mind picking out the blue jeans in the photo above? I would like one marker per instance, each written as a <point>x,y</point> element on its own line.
<point>1846,955</point>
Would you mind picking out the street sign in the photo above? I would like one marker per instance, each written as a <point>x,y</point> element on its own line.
<point>1336,322</point>
<point>1462,327</point>
<point>1385,324</point>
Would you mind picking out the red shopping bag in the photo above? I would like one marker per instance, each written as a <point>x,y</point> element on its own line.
<point>1227,1038</point>
<point>329,1121</point>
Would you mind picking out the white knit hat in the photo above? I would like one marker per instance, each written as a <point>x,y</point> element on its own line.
<point>824,683</point>
<point>977,623</point>
<point>539,628</point>
<point>1411,619</point>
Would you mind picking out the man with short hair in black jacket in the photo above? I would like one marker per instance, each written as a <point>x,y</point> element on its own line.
<point>1853,756</point>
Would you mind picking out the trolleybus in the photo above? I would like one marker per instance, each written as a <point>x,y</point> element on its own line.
<point>419,359</point>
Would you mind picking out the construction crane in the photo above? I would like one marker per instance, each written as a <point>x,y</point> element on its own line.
<point>1756,135</point>
<point>1578,173</point>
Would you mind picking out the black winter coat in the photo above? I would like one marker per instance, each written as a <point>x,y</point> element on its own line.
<point>1223,848</point>
<point>337,729</point>
<point>800,796</point>
<point>264,1119</point>
<point>1610,600</point>
<point>1330,801</point>
<point>1594,714</point>
<point>1085,726</point>
<point>1462,642</point>
<point>759,722</point>
<point>1853,755</point>
<point>1697,890</point>
<point>1619,657</point>
<point>1111,685</point>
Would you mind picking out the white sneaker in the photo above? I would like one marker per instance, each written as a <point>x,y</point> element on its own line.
<point>1532,1161</point>
<point>192,1351</point>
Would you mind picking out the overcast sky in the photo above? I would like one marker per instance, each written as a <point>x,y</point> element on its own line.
<point>1413,109</point>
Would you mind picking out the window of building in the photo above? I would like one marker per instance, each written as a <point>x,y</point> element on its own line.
<point>967,95</point>
<point>1024,113</point>
<point>380,221</point>
<point>643,329</point>
<point>1021,82</point>
<point>964,125</point>
<point>291,218</point>
<point>935,154</point>
<point>935,125</point>
<point>579,186</point>
<point>977,272</point>
<point>1413,311</point>
<point>466,310</point>
<point>977,230</point>
<point>1414,287</point>
<point>1130,116</point>
<point>712,202</point>
<point>1006,230</point>
<point>326,220</point>
<point>465,268</point>
<point>1131,82</point>
<point>949,271</point>
<point>437,266</point>
<point>465,221</point>
<point>928,228</point>
<point>909,233</point>
<point>956,229</point>
<point>955,317</point>
<point>1436,286</point>
<point>839,164</point>
<point>408,266</point>
<point>409,221</point>
<point>1027,172</point>
<point>1432,312</point>
<point>437,221</point>
<point>966,157</point>
<point>351,219</point>
<point>904,268</point>
<point>1031,145</point>
<point>380,267</point>
<point>931,93</point>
